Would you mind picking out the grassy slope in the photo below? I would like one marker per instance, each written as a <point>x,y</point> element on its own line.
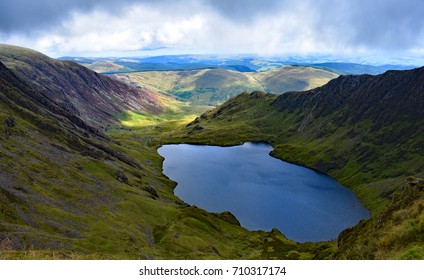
<point>397,232</point>
<point>290,78</point>
<point>213,86</point>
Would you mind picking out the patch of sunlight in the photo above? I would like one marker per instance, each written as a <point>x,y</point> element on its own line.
<point>133,120</point>
<point>317,82</point>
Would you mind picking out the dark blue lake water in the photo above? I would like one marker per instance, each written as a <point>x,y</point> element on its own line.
<point>261,191</point>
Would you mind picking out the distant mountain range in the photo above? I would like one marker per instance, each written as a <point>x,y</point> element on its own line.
<point>357,69</point>
<point>247,63</point>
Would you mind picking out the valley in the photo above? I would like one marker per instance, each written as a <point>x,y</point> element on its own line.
<point>81,177</point>
<point>214,86</point>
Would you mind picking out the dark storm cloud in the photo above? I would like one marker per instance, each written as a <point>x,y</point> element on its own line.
<point>29,15</point>
<point>247,10</point>
<point>390,24</point>
<point>386,24</point>
<point>23,15</point>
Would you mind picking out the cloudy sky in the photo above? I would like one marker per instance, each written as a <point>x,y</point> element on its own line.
<point>356,28</point>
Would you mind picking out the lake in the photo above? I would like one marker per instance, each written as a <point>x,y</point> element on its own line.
<point>261,191</point>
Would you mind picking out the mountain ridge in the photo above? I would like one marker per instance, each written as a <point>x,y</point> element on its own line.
<point>53,78</point>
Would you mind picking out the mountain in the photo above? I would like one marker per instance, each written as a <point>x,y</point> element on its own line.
<point>70,190</point>
<point>365,131</point>
<point>214,86</point>
<point>77,88</point>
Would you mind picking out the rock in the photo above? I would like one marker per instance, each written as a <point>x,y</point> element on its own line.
<point>10,122</point>
<point>228,217</point>
<point>198,127</point>
<point>153,193</point>
<point>121,177</point>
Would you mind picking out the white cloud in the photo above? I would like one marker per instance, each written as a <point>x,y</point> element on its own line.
<point>300,27</point>
<point>136,28</point>
<point>181,32</point>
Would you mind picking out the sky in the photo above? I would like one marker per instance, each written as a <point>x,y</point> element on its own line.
<point>383,30</point>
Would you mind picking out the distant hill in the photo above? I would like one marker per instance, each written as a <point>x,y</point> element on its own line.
<point>357,69</point>
<point>293,78</point>
<point>214,86</point>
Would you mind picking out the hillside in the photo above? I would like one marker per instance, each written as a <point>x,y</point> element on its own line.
<point>365,131</point>
<point>77,88</point>
<point>57,175</point>
<point>214,86</point>
<point>68,191</point>
<point>293,78</point>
